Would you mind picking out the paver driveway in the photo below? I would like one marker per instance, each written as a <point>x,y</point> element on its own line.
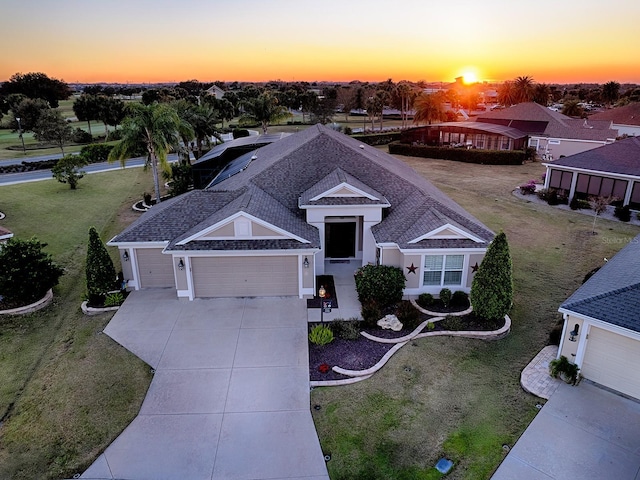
<point>582,432</point>
<point>230,394</point>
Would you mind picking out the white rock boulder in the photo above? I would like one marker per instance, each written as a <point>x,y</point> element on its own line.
<point>390,322</point>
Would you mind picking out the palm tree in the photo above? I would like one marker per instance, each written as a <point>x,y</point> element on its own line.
<point>610,92</point>
<point>265,110</point>
<point>204,122</point>
<point>428,109</point>
<point>154,128</point>
<point>541,94</point>
<point>523,89</point>
<point>506,94</point>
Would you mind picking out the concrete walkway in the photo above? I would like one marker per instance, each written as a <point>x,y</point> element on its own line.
<point>230,394</point>
<point>349,306</point>
<point>582,432</point>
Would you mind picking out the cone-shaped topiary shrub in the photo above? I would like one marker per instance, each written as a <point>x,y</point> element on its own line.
<point>100,272</point>
<point>492,287</point>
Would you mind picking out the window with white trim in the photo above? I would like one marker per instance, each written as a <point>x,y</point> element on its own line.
<point>442,270</point>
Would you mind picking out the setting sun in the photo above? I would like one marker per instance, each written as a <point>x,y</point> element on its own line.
<point>469,77</point>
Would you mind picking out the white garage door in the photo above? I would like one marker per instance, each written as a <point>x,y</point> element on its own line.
<point>156,269</point>
<point>612,360</point>
<point>245,276</point>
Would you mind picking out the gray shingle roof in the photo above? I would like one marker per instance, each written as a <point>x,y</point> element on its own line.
<point>612,294</point>
<point>335,178</point>
<point>272,184</point>
<point>621,157</point>
<point>536,119</point>
<point>626,115</point>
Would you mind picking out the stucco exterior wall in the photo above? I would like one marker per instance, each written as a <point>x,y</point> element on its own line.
<point>308,276</point>
<point>413,279</point>
<point>474,258</point>
<point>181,275</point>
<point>568,348</point>
<point>565,147</point>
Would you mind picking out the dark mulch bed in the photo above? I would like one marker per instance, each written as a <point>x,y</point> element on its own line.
<point>363,353</point>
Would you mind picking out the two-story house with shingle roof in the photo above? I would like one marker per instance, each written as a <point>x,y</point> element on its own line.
<point>301,202</point>
<point>601,331</point>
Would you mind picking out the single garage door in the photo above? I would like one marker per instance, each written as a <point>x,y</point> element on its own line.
<point>612,360</point>
<point>245,276</point>
<point>156,269</point>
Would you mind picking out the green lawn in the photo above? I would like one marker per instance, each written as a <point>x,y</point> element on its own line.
<point>461,398</point>
<point>66,390</point>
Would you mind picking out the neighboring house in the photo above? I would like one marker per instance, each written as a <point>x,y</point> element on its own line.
<point>552,133</point>
<point>215,91</point>
<point>612,170</point>
<point>301,202</point>
<point>626,119</point>
<point>5,234</point>
<point>601,332</point>
<point>483,136</point>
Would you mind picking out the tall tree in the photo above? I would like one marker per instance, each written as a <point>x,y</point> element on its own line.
<point>571,107</point>
<point>541,94</point>
<point>111,111</point>
<point>523,87</point>
<point>428,108</point>
<point>610,92</point>
<point>204,124</point>
<point>29,111</point>
<point>37,85</point>
<point>265,110</point>
<point>87,108</point>
<point>52,127</point>
<point>156,127</point>
<point>492,285</point>
<point>99,269</point>
<point>507,94</point>
<point>325,107</point>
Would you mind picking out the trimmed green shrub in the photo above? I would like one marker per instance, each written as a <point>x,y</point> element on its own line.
<point>431,326</point>
<point>375,139</point>
<point>425,300</point>
<point>371,313</point>
<point>460,299</point>
<point>486,157</point>
<point>623,213</point>
<point>321,335</point>
<point>80,136</point>
<point>445,297</point>
<point>240,132</point>
<point>346,329</point>
<point>382,283</point>
<point>100,273</point>
<point>180,177</point>
<point>579,204</point>
<point>452,323</point>
<point>492,287</point>
<point>26,272</point>
<point>563,368</point>
<point>408,315</point>
<point>113,299</point>
<point>96,152</point>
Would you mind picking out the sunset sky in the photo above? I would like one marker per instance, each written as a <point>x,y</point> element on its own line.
<point>566,41</point>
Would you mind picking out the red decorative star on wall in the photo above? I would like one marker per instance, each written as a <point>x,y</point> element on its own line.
<point>412,268</point>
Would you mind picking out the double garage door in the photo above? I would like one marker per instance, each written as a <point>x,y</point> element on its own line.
<point>245,276</point>
<point>612,360</point>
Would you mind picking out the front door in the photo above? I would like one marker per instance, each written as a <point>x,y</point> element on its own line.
<point>340,239</point>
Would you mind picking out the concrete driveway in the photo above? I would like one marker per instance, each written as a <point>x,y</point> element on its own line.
<point>230,394</point>
<point>582,432</point>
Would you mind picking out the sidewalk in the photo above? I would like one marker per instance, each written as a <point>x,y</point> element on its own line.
<point>349,306</point>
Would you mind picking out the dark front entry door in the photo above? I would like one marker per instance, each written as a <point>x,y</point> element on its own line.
<point>340,239</point>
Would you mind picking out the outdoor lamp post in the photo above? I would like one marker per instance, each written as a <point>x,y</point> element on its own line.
<point>24,151</point>
<point>322,293</point>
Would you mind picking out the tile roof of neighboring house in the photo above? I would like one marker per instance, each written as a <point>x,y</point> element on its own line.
<point>536,119</point>
<point>627,115</point>
<point>612,294</point>
<point>271,187</point>
<point>621,157</point>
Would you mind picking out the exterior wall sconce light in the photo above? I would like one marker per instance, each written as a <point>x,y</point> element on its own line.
<point>306,262</point>
<point>574,333</point>
<point>125,256</point>
<point>180,265</point>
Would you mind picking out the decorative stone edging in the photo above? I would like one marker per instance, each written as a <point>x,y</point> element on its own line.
<point>40,304</point>
<point>144,208</point>
<point>337,383</point>
<point>2,215</point>
<point>439,314</point>
<point>370,370</point>
<point>402,341</point>
<point>405,338</point>
<point>87,310</point>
